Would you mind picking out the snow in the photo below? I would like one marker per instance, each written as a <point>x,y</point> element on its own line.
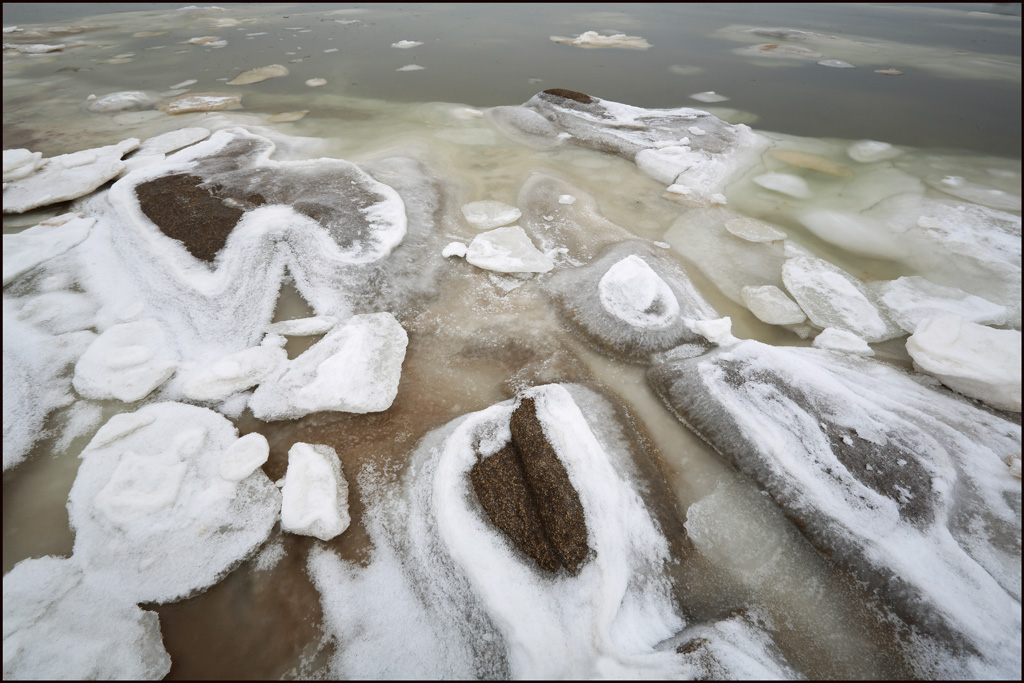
<point>909,300</point>
<point>631,291</point>
<point>259,74</point>
<point>487,214</point>
<point>144,501</point>
<point>67,176</point>
<point>29,248</point>
<point>507,250</point>
<point>244,456</point>
<point>717,332</point>
<point>771,305</point>
<point>126,362</point>
<point>978,361</point>
<point>20,163</point>
<point>355,368</point>
<point>314,499</point>
<point>454,249</point>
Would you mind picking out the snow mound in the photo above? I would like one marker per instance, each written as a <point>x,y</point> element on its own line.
<point>314,499</point>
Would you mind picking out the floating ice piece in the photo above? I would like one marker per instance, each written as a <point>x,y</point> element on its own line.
<point>316,82</point>
<point>889,72</point>
<point>592,39</point>
<point>20,163</point>
<point>836,64</point>
<point>235,372</point>
<point>259,74</point>
<point>718,332</point>
<point>781,51</point>
<point>771,305</point>
<point>51,612</point>
<point>119,101</point>
<point>527,126</point>
<point>410,67</point>
<point>184,84</point>
<point>868,151</point>
<point>314,499</point>
<point>36,48</point>
<point>709,97</point>
<point>507,250</point>
<point>455,585</point>
<point>975,192</point>
<point>631,300</point>
<point>454,249</point>
<point>909,300</point>
<point>785,183</point>
<point>872,464</point>
<point>355,369</point>
<point>753,230</point>
<point>406,44</point>
<point>814,162</point>
<point>67,176</point>
<point>287,116</point>
<point>126,362</point>
<point>487,213</point>
<point>244,456</point>
<point>304,327</point>
<point>975,360</point>
<point>210,41</point>
<point>142,504</point>
<point>27,249</point>
<point>566,199</point>
<point>854,232</point>
<point>834,339</point>
<point>832,298</point>
<point>172,141</point>
<point>184,104</point>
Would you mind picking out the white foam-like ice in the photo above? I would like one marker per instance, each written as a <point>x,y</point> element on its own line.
<point>243,457</point>
<point>314,498</point>
<point>978,361</point>
<point>454,249</point>
<point>355,368</point>
<point>507,250</point>
<point>126,362</point>
<point>119,101</point>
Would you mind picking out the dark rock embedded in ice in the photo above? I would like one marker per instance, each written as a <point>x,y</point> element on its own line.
<point>870,463</point>
<point>526,492</point>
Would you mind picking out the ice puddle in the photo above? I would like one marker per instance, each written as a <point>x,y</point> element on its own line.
<point>870,527</point>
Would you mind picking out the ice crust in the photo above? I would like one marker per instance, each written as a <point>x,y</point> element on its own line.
<point>975,360</point>
<point>872,464</point>
<point>631,300</point>
<point>507,250</point>
<point>314,498</point>
<point>146,497</point>
<point>457,588</point>
<point>355,369</point>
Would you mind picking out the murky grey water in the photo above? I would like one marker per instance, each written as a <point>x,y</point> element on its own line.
<point>957,101</point>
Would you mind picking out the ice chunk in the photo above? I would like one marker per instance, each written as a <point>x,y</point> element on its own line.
<point>909,300</point>
<point>314,500</point>
<point>66,177</point>
<point>717,332</point>
<point>507,250</point>
<point>976,193</point>
<point>410,67</point>
<point>836,64</point>
<point>631,300</point>
<point>27,249</point>
<point>406,44</point>
<point>51,612</point>
<point>872,463</point>
<point>316,82</point>
<point>355,368</point>
<point>20,163</point>
<point>487,213</point>
<point>126,362</point>
<point>304,327</point>
<point>454,249</point>
<point>834,339</point>
<point>119,101</point>
<point>832,298</point>
<point>142,504</point>
<point>183,104</point>
<point>753,230</point>
<point>781,51</point>
<point>785,183</point>
<point>244,456</point>
<point>771,305</point>
<point>592,39</point>
<point>234,372</point>
<point>172,141</point>
<point>526,126</point>
<point>868,151</point>
<point>975,360</point>
<point>856,233</point>
<point>259,74</point>
<point>736,648</point>
<point>708,96</point>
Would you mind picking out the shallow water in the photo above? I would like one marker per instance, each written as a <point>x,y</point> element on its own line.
<point>477,339</point>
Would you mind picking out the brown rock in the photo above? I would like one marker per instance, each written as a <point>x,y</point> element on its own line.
<point>570,95</point>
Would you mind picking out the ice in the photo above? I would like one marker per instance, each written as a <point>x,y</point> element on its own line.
<point>856,233</point>
<point>20,163</point>
<point>888,476</point>
<point>978,361</point>
<point>785,183</point>
<point>526,126</point>
<point>143,503</point>
<point>314,499</point>
<point>592,39</point>
<point>29,248</point>
<point>718,332</point>
<point>355,368</point>
<point>172,141</point>
<point>119,101</point>
<point>244,456</point>
<point>992,197</point>
<point>259,74</point>
<point>507,250</point>
<point>304,327</point>
<point>454,249</point>
<point>836,64</point>
<point>870,151</point>
<point>183,104</point>
<point>736,648</point>
<point>406,44</point>
<point>631,300</point>
<point>771,305</point>
<point>909,300</point>
<point>126,362</point>
<point>67,176</point>
<point>235,372</point>
<point>709,97</point>
<point>487,214</point>
<point>410,67</point>
<point>753,230</point>
<point>834,339</point>
<point>51,615</point>
<point>833,298</point>
<point>316,82</point>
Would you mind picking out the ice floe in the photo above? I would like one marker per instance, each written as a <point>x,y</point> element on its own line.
<point>593,39</point>
<point>236,372</point>
<point>146,498</point>
<point>355,368</point>
<point>259,74</point>
<point>410,67</point>
<point>708,96</point>
<point>66,176</point>
<point>977,361</point>
<point>771,305</point>
<point>316,82</point>
<point>20,163</point>
<point>126,362</point>
<point>183,104</point>
<point>909,300</point>
<point>507,250</point>
<point>871,465</point>
<point>172,141</point>
<point>119,101</point>
<point>869,151</point>
<point>487,214</point>
<point>834,339</point>
<point>29,248</point>
<point>785,183</point>
<point>314,498</point>
<point>406,44</point>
